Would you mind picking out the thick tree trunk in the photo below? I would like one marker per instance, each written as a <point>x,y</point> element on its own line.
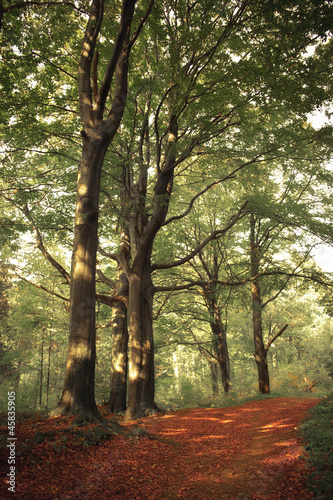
<point>78,395</point>
<point>119,356</point>
<point>260,352</point>
<point>142,234</point>
<point>259,348</point>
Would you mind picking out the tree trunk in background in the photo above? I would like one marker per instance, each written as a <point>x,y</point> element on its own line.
<point>49,351</point>
<point>220,344</point>
<point>259,348</point>
<point>41,371</point>
<point>215,376</point>
<point>119,356</point>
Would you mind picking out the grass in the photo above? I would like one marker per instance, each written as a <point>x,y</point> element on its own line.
<point>317,432</point>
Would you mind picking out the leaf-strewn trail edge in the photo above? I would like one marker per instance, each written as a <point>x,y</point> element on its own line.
<point>250,451</point>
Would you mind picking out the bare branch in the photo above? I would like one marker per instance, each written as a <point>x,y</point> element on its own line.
<point>41,287</point>
<point>118,65</point>
<point>144,19</point>
<point>112,256</point>
<point>41,247</point>
<point>104,279</point>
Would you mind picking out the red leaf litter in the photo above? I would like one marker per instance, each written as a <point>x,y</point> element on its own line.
<point>247,452</point>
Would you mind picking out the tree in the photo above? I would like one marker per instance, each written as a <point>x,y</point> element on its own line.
<point>97,133</point>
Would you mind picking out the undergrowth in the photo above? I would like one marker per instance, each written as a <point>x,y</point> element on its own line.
<point>317,432</point>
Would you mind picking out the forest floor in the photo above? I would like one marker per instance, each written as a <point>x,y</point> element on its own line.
<point>251,451</point>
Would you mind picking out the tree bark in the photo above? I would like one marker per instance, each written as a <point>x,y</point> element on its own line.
<point>78,395</point>
<point>141,346</point>
<point>215,376</point>
<point>221,349</point>
<point>260,352</point>
<point>119,356</point>
<point>142,234</point>
<point>220,344</point>
<point>41,371</point>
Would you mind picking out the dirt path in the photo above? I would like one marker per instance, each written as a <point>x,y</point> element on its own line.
<point>245,452</point>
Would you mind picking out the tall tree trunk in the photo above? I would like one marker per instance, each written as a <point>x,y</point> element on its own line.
<point>259,348</point>
<point>148,394</point>
<point>142,234</point>
<point>49,350</point>
<point>78,395</point>
<point>119,355</point>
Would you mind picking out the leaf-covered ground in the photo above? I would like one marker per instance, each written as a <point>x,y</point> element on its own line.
<point>247,452</point>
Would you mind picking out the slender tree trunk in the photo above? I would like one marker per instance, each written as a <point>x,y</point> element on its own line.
<point>215,376</point>
<point>41,371</point>
<point>119,356</point>
<point>259,348</point>
<point>220,345</point>
<point>48,370</point>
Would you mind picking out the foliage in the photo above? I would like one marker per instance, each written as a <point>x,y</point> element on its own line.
<point>317,434</point>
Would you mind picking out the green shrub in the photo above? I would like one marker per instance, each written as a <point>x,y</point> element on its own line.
<point>317,433</point>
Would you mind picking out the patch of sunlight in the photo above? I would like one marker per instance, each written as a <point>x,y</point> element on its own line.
<point>286,444</point>
<point>201,418</point>
<point>78,351</point>
<point>83,189</point>
<point>275,425</point>
<point>67,397</point>
<point>171,432</point>
<point>221,436</point>
<point>118,364</point>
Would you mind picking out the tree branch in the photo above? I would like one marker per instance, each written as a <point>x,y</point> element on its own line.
<point>88,47</point>
<point>41,287</point>
<point>41,247</point>
<point>104,279</point>
<point>41,4</point>
<point>270,342</point>
<point>118,64</point>
<point>144,19</point>
<point>214,235</point>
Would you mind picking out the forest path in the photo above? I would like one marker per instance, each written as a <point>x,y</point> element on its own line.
<point>250,451</point>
